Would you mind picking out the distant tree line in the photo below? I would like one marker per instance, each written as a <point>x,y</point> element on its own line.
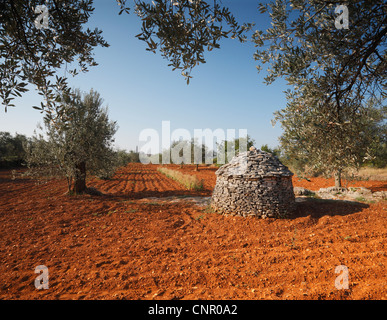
<point>12,152</point>
<point>195,152</point>
<point>124,157</point>
<point>21,151</point>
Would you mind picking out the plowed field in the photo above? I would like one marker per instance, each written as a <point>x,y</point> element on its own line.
<point>127,244</point>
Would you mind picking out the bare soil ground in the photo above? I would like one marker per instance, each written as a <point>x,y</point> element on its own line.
<point>123,246</point>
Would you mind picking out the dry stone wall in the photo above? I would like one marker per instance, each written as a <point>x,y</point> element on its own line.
<point>255,183</point>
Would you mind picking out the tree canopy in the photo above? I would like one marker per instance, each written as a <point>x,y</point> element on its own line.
<point>302,45</point>
<point>31,54</point>
<point>182,30</point>
<point>305,47</point>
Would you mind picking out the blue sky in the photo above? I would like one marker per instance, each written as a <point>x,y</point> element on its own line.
<point>141,91</point>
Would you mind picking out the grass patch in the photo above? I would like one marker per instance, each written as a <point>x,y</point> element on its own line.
<point>107,214</point>
<point>368,173</point>
<point>209,209</point>
<point>362,199</point>
<point>293,241</point>
<point>153,203</point>
<point>110,212</point>
<point>128,201</point>
<point>131,211</point>
<point>188,181</point>
<point>200,217</point>
<point>313,195</point>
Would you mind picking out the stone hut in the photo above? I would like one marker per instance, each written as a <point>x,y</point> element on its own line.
<point>254,183</point>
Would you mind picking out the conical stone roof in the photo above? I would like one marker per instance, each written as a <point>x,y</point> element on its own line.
<point>254,164</point>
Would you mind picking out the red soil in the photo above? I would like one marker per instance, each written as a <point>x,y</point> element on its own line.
<point>117,246</point>
<point>316,183</point>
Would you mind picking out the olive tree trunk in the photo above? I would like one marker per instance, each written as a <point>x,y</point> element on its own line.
<point>338,179</point>
<point>80,178</point>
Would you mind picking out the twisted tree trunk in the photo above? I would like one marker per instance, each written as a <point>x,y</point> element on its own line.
<point>338,178</point>
<point>80,178</point>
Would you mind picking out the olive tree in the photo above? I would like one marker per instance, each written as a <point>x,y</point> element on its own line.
<point>335,70</point>
<point>12,152</point>
<point>315,142</point>
<point>80,144</point>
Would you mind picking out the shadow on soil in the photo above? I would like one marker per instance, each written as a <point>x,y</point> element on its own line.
<point>379,188</point>
<point>317,208</point>
<point>157,194</point>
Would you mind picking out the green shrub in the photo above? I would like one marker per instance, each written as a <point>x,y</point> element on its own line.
<point>190,182</point>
